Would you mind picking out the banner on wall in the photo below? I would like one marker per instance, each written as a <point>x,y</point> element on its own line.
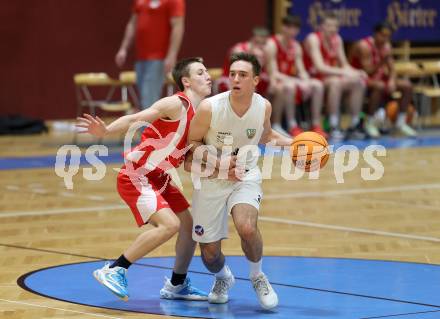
<point>414,20</point>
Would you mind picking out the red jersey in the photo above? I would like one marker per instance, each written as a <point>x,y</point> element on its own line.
<point>164,142</point>
<point>329,54</point>
<point>153,27</point>
<point>377,57</point>
<point>286,56</point>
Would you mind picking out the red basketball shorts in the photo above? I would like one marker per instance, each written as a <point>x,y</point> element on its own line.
<point>147,194</point>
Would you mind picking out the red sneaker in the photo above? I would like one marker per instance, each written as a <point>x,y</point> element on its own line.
<point>294,131</point>
<point>318,129</point>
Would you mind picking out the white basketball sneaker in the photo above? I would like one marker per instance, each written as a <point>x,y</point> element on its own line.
<point>115,279</point>
<point>266,295</point>
<point>219,291</point>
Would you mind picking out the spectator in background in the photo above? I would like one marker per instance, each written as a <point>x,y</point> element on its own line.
<point>325,59</point>
<point>157,26</point>
<point>256,46</point>
<point>289,81</point>
<point>373,55</point>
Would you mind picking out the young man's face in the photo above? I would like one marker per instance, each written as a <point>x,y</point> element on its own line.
<point>259,41</point>
<point>242,78</point>
<point>330,27</point>
<point>382,37</point>
<point>199,79</point>
<point>289,31</point>
<point>258,48</point>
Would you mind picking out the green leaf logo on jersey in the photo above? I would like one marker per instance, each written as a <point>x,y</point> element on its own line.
<point>251,132</point>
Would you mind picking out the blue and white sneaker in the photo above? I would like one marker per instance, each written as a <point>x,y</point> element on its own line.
<point>183,292</point>
<point>114,279</point>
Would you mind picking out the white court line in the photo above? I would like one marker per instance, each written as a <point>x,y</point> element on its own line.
<point>62,309</point>
<point>12,187</point>
<point>397,203</point>
<point>262,218</point>
<point>353,191</point>
<point>266,197</point>
<point>62,211</point>
<point>35,185</point>
<point>279,220</point>
<point>39,191</point>
<point>347,229</point>
<point>67,194</point>
<point>96,198</point>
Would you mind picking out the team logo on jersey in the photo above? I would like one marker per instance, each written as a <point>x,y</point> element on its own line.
<point>199,230</point>
<point>258,199</point>
<point>224,137</point>
<point>251,132</point>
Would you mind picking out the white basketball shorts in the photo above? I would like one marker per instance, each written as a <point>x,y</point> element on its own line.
<point>213,202</point>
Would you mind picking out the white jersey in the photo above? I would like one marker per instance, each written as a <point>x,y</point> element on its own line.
<point>229,133</point>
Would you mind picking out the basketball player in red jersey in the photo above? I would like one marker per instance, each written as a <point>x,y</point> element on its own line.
<point>290,83</point>
<point>373,55</point>
<point>256,46</point>
<point>325,59</point>
<point>144,184</point>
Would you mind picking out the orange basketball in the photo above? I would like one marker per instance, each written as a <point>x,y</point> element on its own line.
<point>392,110</point>
<point>309,151</point>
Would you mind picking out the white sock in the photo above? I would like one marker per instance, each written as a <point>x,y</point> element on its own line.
<point>293,124</point>
<point>224,272</point>
<point>255,268</point>
<point>278,128</point>
<point>334,120</point>
<point>401,119</point>
<point>354,120</point>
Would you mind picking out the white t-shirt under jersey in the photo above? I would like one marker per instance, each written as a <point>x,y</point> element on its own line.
<point>229,132</point>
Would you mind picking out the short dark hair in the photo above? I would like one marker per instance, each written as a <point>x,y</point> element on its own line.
<point>291,21</point>
<point>383,26</point>
<point>329,16</point>
<point>248,57</point>
<point>181,69</point>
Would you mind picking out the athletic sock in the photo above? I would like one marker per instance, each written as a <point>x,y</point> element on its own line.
<point>355,120</point>
<point>222,273</point>
<point>121,262</point>
<point>334,120</point>
<point>401,118</point>
<point>255,268</point>
<point>292,124</point>
<point>177,279</point>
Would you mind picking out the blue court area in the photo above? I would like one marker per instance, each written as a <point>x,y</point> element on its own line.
<point>307,288</point>
<point>9,163</point>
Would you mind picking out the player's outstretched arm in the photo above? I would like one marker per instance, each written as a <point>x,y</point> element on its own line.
<point>97,127</point>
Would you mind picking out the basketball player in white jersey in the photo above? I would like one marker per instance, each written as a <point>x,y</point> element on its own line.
<point>238,119</point>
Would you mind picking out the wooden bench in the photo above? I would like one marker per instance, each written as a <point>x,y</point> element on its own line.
<point>422,66</point>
